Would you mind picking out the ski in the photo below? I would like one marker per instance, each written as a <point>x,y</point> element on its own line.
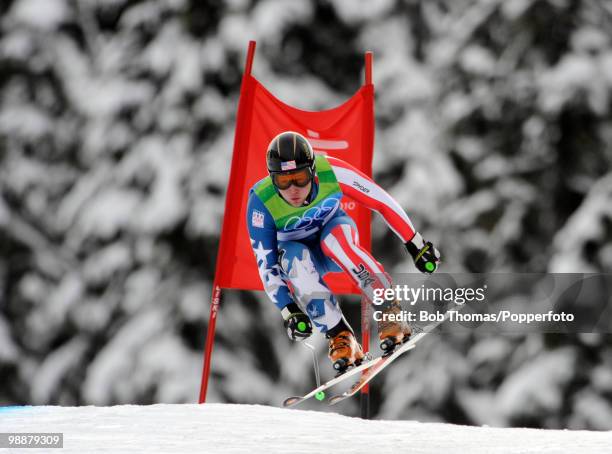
<point>294,400</point>
<point>373,372</point>
<point>384,361</point>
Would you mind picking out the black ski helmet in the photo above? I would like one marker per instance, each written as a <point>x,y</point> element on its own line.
<point>289,151</point>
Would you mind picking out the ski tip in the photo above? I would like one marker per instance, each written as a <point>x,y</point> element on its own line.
<point>290,401</point>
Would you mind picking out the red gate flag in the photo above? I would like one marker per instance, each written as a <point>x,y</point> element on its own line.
<point>345,132</point>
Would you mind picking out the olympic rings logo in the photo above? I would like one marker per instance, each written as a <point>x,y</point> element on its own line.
<point>313,214</point>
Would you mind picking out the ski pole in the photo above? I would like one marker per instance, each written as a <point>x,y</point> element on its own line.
<point>319,395</point>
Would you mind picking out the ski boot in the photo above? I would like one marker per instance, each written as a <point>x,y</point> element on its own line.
<point>392,333</point>
<point>344,351</point>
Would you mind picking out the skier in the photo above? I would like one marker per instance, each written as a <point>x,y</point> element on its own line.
<point>299,233</point>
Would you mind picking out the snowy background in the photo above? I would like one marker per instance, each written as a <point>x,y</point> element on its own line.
<point>116,129</point>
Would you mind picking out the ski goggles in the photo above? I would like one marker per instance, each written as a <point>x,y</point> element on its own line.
<point>299,178</point>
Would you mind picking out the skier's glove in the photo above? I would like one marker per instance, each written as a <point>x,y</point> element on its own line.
<point>426,257</point>
<point>298,325</point>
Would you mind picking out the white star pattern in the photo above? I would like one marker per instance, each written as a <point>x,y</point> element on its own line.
<point>305,278</point>
<point>274,283</point>
<point>270,277</point>
<point>271,280</point>
<point>261,253</point>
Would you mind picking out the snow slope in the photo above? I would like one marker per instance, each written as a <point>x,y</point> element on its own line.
<point>224,428</point>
